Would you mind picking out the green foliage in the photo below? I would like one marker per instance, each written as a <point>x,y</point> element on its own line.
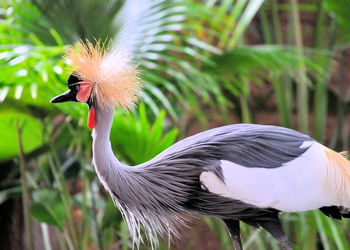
<point>340,9</point>
<point>263,62</point>
<point>193,55</point>
<point>74,19</point>
<point>136,139</point>
<point>111,216</point>
<point>27,70</point>
<point>48,207</point>
<point>31,131</point>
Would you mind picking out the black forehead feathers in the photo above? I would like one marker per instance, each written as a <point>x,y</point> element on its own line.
<point>73,79</point>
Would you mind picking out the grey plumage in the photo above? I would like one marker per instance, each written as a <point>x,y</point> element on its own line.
<point>237,173</point>
<point>249,145</point>
<point>152,195</point>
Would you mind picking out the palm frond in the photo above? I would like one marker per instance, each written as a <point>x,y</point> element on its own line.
<point>171,40</point>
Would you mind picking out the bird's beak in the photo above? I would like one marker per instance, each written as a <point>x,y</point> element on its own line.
<point>67,96</point>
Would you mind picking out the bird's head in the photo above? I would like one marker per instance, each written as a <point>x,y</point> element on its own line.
<point>101,78</point>
<point>79,91</point>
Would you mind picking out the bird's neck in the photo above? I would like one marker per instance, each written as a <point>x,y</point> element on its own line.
<point>104,159</point>
<point>141,194</point>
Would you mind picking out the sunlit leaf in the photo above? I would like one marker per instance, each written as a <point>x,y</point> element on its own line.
<point>137,140</point>
<point>31,133</point>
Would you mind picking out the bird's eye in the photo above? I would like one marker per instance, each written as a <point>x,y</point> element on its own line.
<point>77,87</point>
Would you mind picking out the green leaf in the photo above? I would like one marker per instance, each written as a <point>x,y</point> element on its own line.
<point>340,10</point>
<point>31,133</point>
<point>48,207</point>
<point>39,212</point>
<point>245,19</point>
<point>136,139</point>
<point>256,61</point>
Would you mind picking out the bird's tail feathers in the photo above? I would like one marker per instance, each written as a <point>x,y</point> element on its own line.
<point>345,212</point>
<point>335,212</point>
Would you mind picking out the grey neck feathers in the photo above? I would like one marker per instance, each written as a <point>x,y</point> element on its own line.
<point>102,150</point>
<point>135,190</point>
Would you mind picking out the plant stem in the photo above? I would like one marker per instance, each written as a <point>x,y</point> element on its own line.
<point>94,221</point>
<point>265,25</point>
<point>245,106</point>
<point>317,31</point>
<point>282,101</point>
<point>320,108</point>
<point>46,236</point>
<point>340,103</point>
<point>67,202</point>
<point>302,92</point>
<point>68,240</point>
<point>282,84</point>
<point>25,192</point>
<point>321,94</point>
<point>60,240</point>
<point>85,208</point>
<point>276,22</point>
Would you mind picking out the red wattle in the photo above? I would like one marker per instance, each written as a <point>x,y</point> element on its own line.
<point>91,118</point>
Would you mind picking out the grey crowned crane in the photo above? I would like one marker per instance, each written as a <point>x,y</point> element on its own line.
<point>241,172</point>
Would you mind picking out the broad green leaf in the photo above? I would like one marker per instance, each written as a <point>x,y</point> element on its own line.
<point>31,133</point>
<point>48,207</point>
<point>39,212</point>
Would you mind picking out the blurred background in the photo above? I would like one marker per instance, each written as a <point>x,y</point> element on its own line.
<point>204,64</point>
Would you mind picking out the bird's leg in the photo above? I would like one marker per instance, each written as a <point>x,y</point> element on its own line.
<point>274,227</point>
<point>233,229</point>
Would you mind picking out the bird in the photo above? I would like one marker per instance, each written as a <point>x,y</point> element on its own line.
<point>246,173</point>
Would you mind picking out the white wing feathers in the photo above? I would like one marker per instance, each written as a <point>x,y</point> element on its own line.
<point>298,185</point>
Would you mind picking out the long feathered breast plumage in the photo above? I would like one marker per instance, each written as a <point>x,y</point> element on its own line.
<point>113,79</point>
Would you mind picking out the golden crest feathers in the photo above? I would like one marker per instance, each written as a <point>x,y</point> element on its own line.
<point>114,80</point>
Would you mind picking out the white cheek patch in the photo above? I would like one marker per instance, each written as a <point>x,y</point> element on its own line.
<point>84,92</point>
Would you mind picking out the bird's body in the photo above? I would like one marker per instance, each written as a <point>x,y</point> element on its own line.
<point>240,172</point>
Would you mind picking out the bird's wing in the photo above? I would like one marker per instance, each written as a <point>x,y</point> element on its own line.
<point>262,166</point>
<point>249,145</point>
<point>298,185</point>
<point>274,167</point>
<point>265,166</point>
